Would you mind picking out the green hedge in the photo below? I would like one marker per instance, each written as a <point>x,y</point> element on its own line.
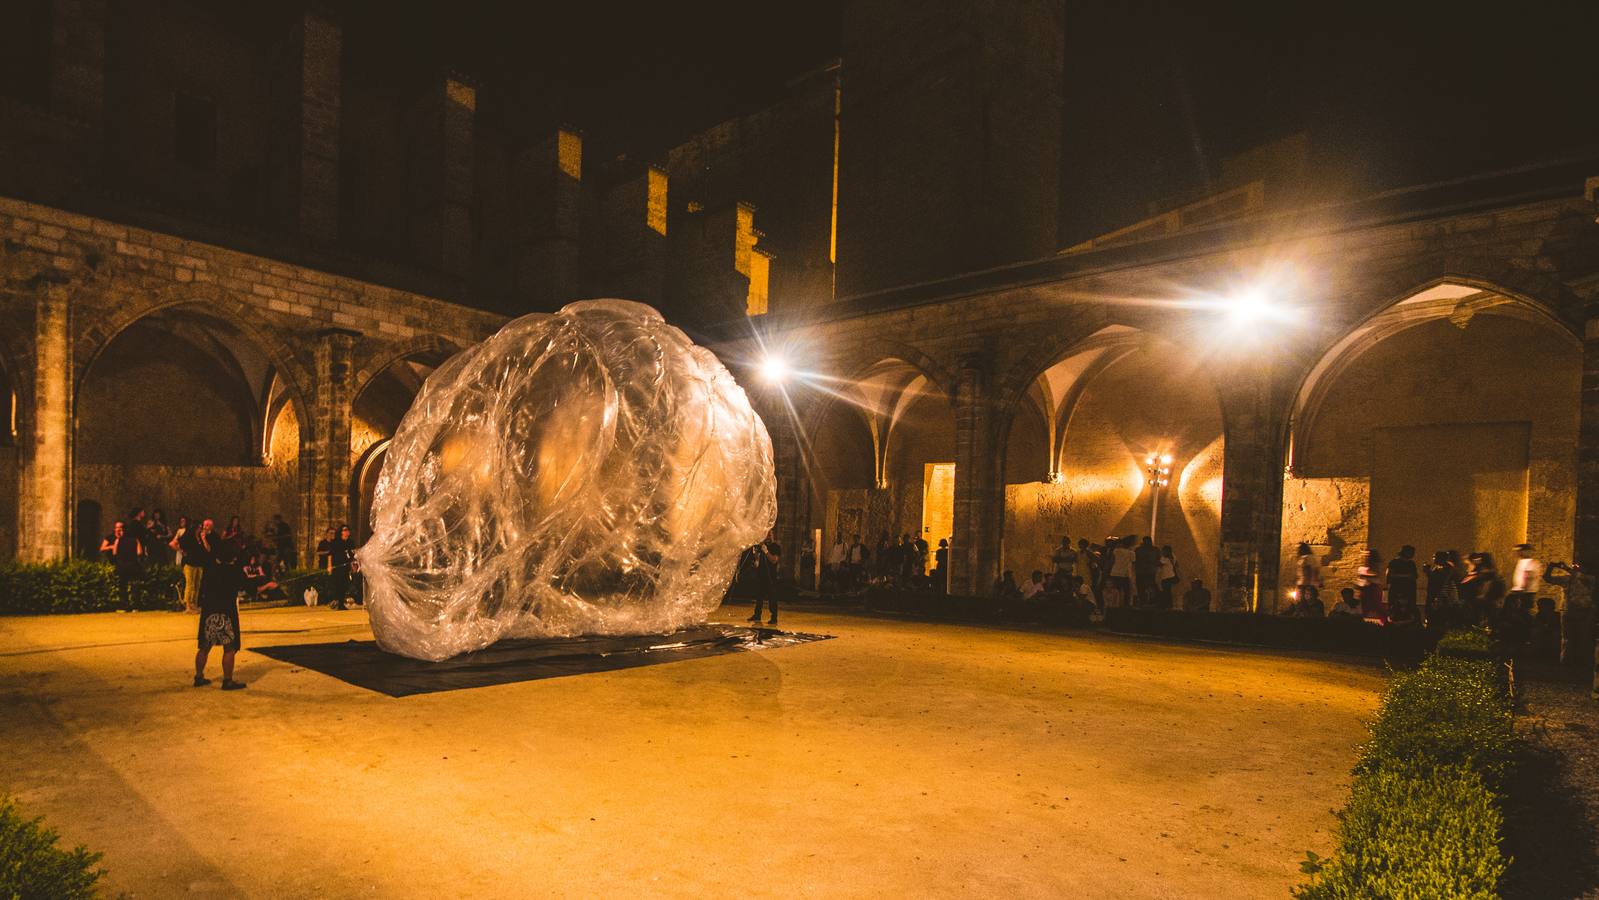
<point>32,867</point>
<point>76,585</point>
<point>1424,816</point>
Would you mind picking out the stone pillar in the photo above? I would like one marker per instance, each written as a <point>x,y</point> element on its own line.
<point>1587,538</point>
<point>708,278</point>
<point>548,185</point>
<point>442,179</point>
<point>979,481</point>
<point>45,530</point>
<point>633,212</point>
<point>793,488</point>
<point>77,61</point>
<point>326,467</point>
<point>1252,494</point>
<point>307,192</point>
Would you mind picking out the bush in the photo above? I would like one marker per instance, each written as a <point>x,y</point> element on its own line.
<point>1466,641</point>
<point>1424,817</point>
<point>32,867</point>
<point>1414,833</point>
<point>77,585</point>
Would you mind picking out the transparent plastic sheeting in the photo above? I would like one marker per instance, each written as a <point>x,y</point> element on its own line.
<point>590,472</point>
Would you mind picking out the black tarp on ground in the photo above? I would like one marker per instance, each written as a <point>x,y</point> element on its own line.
<point>364,664</point>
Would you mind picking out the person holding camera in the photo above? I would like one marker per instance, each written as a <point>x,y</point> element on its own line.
<point>1576,620</point>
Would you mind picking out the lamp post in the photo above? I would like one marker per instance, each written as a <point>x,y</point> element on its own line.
<point>1158,468</point>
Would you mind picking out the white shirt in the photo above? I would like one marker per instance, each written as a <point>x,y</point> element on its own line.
<point>836,555</point>
<point>1032,590</point>
<point>1526,577</point>
<point>1121,563</point>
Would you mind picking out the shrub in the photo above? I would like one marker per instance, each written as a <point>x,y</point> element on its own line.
<point>32,867</point>
<point>1466,640</point>
<point>1417,833</point>
<point>76,585</point>
<point>1424,816</point>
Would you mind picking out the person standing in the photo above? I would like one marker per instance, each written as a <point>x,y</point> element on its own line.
<point>1169,574</point>
<point>1401,577</point>
<point>835,562</point>
<point>1524,580</point>
<point>1064,559</point>
<point>859,554</point>
<point>1121,569</point>
<point>1369,588</point>
<point>941,566</point>
<point>283,535</point>
<point>1443,591</point>
<point>1577,619</point>
<point>324,549</point>
<point>219,604</point>
<point>767,555</point>
<point>127,556</point>
<point>341,565</point>
<point>1146,568</point>
<point>188,559</point>
<point>157,536</point>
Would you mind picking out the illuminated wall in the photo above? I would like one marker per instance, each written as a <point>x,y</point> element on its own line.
<point>1443,437</point>
<point>1146,402</point>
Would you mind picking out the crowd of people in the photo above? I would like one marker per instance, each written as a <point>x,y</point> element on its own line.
<point>891,562</point>
<point>1122,571</point>
<point>254,567</point>
<point>1450,592</point>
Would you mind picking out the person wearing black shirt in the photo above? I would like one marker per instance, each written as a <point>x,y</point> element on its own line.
<point>1402,578</point>
<point>126,554</point>
<point>341,565</point>
<point>219,603</point>
<point>324,549</point>
<point>768,552</point>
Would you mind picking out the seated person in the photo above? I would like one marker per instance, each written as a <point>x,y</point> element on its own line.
<point>1197,597</point>
<point>1348,607</point>
<point>1306,605</point>
<point>1005,589</point>
<point>1035,586</point>
<point>256,580</point>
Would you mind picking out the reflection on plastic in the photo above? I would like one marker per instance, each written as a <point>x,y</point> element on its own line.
<point>587,472</point>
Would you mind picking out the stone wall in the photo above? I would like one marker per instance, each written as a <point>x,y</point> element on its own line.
<point>1476,421</point>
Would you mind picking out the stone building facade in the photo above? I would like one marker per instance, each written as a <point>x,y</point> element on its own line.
<point>224,275</point>
<point>234,241</point>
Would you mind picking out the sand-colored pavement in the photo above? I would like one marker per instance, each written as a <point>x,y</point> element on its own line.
<point>902,759</point>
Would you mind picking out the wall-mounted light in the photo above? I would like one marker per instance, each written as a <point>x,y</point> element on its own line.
<point>774,369</point>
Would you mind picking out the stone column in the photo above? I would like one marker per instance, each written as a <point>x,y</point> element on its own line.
<point>979,482</point>
<point>548,186</point>
<point>46,466</point>
<point>326,467</point>
<point>442,183</point>
<point>1252,492</point>
<point>1587,537</point>
<point>793,489</point>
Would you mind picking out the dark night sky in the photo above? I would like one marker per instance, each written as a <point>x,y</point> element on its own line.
<point>1157,92</point>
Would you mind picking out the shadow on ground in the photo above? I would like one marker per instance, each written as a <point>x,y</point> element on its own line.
<point>1552,814</point>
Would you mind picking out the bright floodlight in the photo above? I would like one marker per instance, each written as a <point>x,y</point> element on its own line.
<point>1249,307</point>
<point>774,369</point>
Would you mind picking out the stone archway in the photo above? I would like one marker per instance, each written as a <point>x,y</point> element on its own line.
<point>167,414</point>
<point>1081,440</point>
<point>1445,420</point>
<point>875,448</point>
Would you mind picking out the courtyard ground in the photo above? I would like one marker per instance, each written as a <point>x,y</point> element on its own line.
<point>902,759</point>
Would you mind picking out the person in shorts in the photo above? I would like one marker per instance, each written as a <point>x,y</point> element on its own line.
<point>219,604</point>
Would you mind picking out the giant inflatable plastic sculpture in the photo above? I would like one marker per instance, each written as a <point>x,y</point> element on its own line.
<point>587,472</point>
